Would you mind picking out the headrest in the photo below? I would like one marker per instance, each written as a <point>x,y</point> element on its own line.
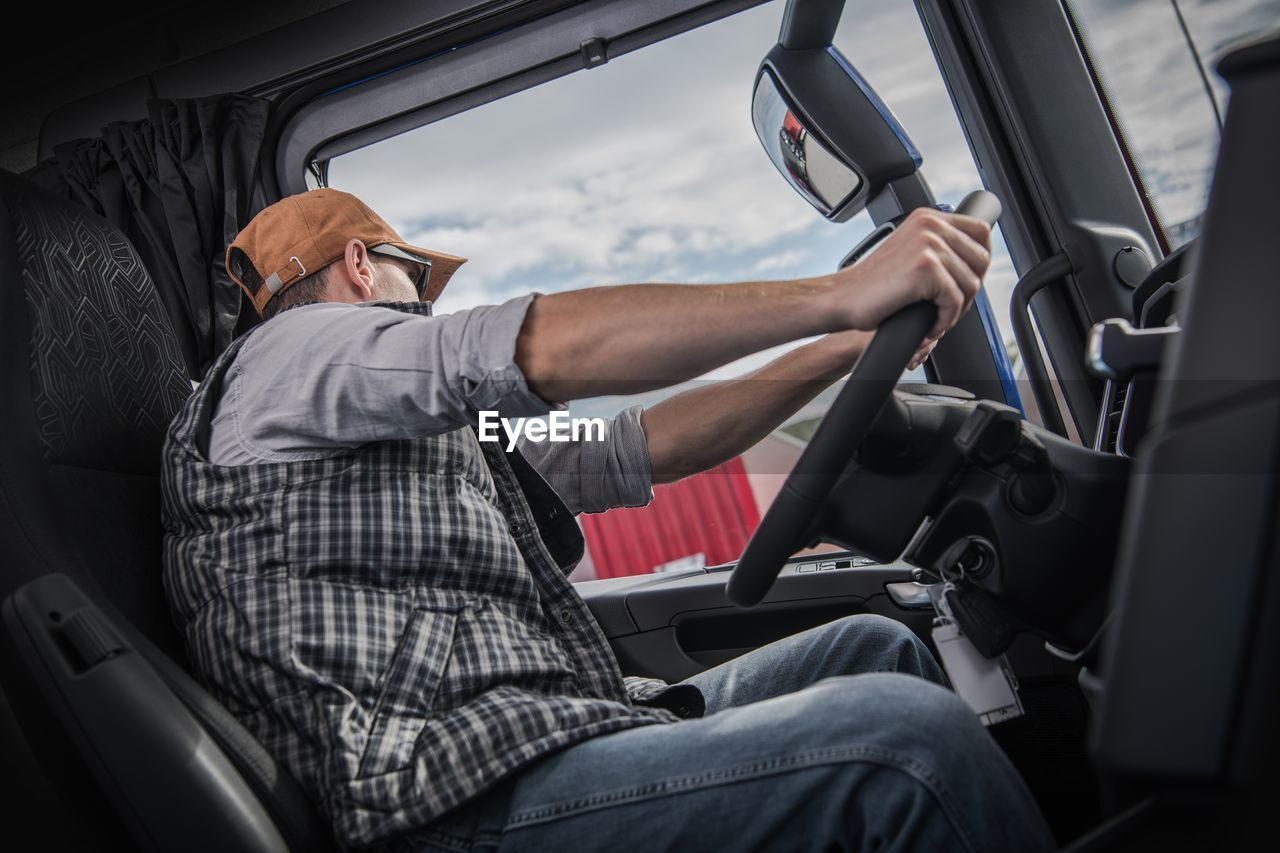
<point>106,374</point>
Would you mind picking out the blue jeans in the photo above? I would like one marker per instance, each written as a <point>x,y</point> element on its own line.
<point>838,738</point>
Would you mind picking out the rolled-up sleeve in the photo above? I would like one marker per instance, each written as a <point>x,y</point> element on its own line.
<point>333,375</point>
<point>593,475</point>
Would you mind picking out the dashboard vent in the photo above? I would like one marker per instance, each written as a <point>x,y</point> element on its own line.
<point>1115,410</point>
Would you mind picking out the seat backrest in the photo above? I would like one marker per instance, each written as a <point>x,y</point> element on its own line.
<point>1191,677</point>
<point>90,377</point>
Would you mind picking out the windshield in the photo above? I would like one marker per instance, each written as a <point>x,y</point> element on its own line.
<point>1166,98</point>
<point>648,169</point>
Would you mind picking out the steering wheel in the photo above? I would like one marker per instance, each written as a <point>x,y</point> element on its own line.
<point>785,526</point>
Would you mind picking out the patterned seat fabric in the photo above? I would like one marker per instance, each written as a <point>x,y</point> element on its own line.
<point>106,373</point>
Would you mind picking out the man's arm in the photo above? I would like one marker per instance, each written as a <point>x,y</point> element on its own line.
<point>617,340</point>
<point>692,431</point>
<point>702,427</point>
<point>331,375</point>
<point>698,429</point>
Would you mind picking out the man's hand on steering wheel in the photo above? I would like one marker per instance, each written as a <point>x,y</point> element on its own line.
<point>931,257</point>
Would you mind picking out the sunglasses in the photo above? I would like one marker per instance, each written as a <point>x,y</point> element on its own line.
<point>423,267</point>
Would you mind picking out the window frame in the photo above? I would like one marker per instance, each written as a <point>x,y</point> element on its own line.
<point>365,104</point>
<point>1002,60</point>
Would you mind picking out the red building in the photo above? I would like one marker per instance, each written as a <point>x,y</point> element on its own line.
<point>713,513</point>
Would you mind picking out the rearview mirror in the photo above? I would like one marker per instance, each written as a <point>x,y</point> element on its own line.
<point>826,130</point>
<point>805,161</point>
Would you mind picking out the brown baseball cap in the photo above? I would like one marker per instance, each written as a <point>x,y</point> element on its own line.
<point>304,233</point>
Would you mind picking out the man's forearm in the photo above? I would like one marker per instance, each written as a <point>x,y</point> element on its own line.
<point>703,427</point>
<point>634,338</point>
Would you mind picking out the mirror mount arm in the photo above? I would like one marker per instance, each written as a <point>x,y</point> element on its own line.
<point>808,24</point>
<point>901,195</point>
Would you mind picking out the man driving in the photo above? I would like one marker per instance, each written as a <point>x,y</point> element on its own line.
<point>383,601</point>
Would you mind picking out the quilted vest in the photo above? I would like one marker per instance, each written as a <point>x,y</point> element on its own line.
<point>393,622</point>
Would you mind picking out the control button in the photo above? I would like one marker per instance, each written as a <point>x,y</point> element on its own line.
<point>826,567</point>
<point>806,567</point>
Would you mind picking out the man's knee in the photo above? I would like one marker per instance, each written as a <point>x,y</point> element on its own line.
<point>882,628</point>
<point>880,644</point>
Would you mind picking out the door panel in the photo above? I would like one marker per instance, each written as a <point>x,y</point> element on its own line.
<point>674,625</point>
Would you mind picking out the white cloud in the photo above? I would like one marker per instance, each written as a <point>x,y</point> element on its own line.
<point>780,262</point>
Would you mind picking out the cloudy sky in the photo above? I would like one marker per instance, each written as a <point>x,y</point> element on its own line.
<point>648,169</point>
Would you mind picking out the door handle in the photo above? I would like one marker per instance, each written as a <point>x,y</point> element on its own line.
<point>910,595</point>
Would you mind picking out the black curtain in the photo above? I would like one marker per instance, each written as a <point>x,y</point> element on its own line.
<point>180,184</point>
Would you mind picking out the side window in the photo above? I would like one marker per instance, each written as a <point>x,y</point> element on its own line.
<point>648,169</point>
<point>1163,93</point>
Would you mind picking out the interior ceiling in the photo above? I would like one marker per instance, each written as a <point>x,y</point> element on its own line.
<point>105,62</point>
<point>57,57</point>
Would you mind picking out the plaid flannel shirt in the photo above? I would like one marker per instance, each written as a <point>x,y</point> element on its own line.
<point>393,621</point>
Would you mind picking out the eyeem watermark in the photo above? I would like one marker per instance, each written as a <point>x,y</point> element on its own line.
<point>557,427</point>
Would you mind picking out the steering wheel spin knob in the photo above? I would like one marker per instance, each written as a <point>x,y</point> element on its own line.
<point>983,205</point>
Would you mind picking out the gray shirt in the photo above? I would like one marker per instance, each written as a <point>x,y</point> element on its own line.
<point>321,378</point>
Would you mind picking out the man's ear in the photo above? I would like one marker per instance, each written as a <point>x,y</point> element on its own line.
<point>357,271</point>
